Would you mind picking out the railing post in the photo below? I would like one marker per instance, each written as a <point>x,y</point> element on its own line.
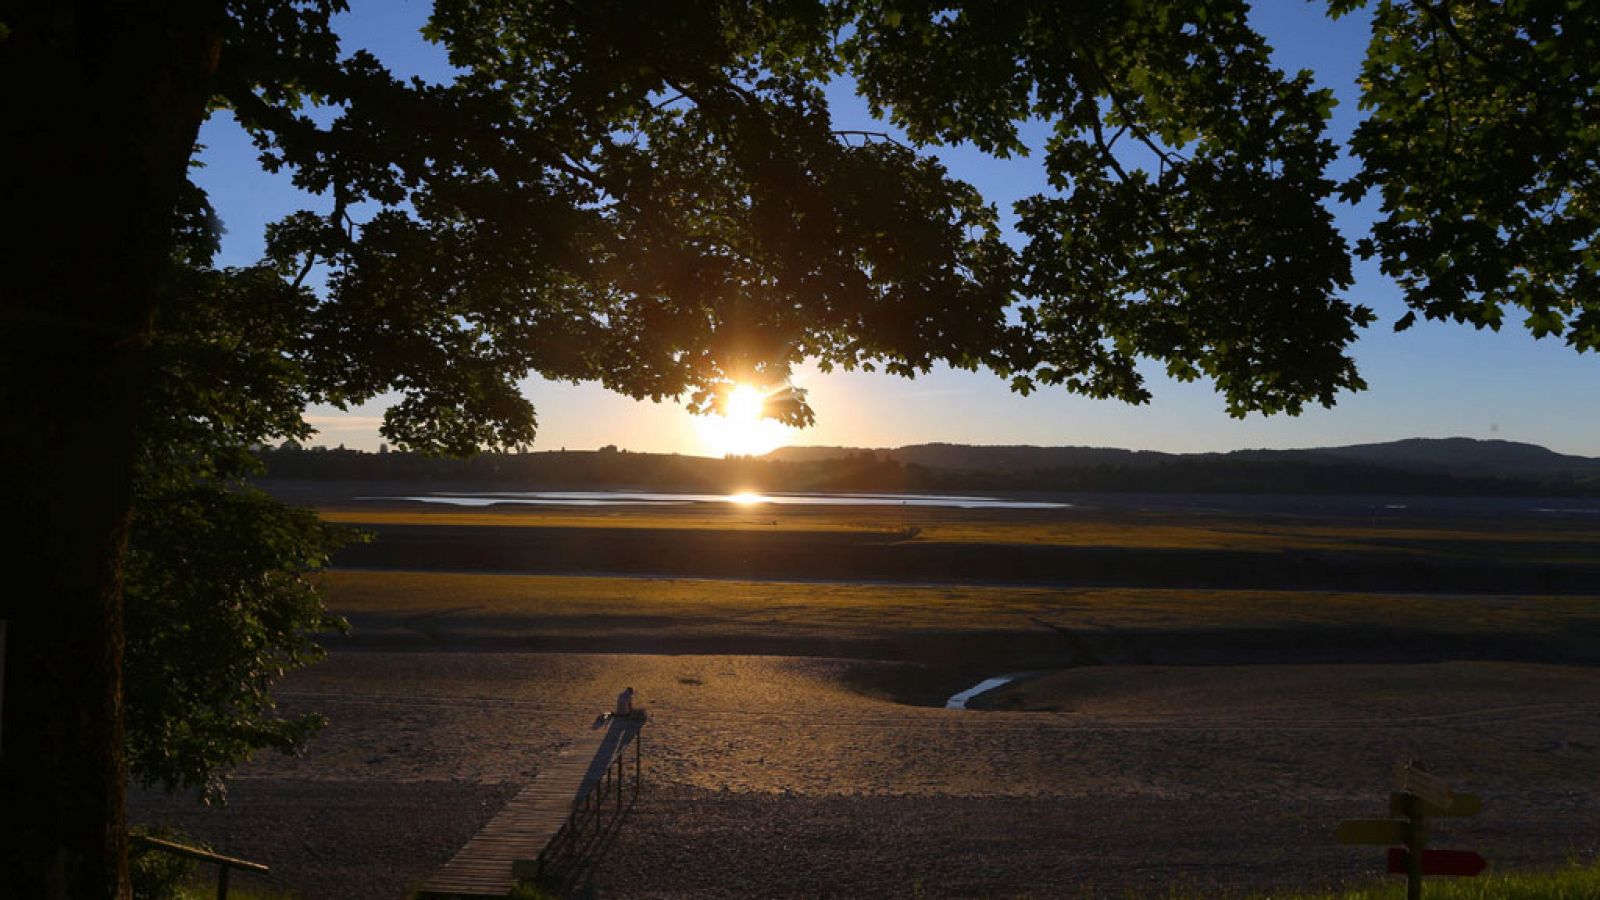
<point>619,780</point>
<point>222,881</point>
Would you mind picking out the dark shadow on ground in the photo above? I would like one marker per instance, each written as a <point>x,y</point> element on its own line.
<point>845,556</point>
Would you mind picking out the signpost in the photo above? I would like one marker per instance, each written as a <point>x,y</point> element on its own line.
<point>1418,798</point>
<point>1373,831</point>
<point>1460,863</point>
<point>1409,779</point>
<point>1461,806</point>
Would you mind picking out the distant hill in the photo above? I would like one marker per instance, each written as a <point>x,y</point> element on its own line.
<point>1023,458</point>
<point>1456,466</point>
<point>985,457</point>
<point>1464,457</point>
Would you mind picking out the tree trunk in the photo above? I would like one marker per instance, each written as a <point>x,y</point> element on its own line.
<point>102,104</point>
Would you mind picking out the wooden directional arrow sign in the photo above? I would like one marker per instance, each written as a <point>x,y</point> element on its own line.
<point>1462,863</point>
<point>1373,831</point>
<point>1461,806</point>
<point>1415,781</point>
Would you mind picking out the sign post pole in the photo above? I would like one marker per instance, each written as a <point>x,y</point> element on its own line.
<point>1416,843</point>
<point>1418,798</point>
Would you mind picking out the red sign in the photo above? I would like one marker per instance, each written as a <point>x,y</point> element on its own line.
<point>1464,863</point>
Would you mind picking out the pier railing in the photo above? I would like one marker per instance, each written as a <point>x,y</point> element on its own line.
<point>224,863</point>
<point>601,802</point>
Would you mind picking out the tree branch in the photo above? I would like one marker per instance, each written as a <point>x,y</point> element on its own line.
<point>881,135</point>
<point>1127,116</point>
<point>300,279</point>
<point>1152,211</point>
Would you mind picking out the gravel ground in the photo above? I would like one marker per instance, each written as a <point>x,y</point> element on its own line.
<point>779,776</point>
<point>333,838</point>
<point>688,842</point>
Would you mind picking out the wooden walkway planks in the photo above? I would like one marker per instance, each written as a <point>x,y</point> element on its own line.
<point>529,820</point>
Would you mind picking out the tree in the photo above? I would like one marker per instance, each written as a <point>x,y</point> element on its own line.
<point>217,603</point>
<point>218,609</point>
<point>652,196</point>
<point>1482,143</point>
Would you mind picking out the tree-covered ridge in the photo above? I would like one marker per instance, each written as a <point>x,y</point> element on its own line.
<point>1363,469</point>
<point>1456,456</point>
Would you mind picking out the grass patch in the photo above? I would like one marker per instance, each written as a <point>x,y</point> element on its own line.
<point>235,892</point>
<point>1578,883</point>
<point>1060,529</point>
<point>602,604</point>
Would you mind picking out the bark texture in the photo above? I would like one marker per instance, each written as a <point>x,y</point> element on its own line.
<point>101,106</point>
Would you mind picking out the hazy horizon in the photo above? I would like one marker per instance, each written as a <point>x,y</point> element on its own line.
<point>988,444</point>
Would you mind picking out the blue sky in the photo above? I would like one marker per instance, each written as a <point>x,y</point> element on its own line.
<point>1435,380</point>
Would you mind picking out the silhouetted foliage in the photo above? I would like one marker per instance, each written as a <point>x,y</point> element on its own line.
<point>217,611</point>
<point>1482,144</point>
<point>217,605</point>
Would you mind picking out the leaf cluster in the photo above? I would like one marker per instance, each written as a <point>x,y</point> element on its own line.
<point>1185,220</point>
<point>218,608</point>
<point>1483,142</point>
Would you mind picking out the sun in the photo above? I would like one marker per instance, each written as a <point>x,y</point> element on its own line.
<point>741,429</point>
<point>744,404</point>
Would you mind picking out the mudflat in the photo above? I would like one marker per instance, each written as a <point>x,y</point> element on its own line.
<point>1206,735</point>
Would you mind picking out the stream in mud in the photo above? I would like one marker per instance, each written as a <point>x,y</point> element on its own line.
<point>959,701</point>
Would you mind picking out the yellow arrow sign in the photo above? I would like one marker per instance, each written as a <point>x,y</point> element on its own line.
<point>1372,831</point>
<point>1461,806</point>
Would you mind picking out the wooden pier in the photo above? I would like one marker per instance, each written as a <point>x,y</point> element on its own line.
<point>546,820</point>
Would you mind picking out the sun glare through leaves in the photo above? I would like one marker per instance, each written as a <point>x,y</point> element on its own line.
<point>741,428</point>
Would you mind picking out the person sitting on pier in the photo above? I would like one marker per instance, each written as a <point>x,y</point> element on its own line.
<point>625,703</point>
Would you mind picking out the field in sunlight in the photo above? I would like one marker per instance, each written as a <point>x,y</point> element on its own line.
<point>948,623</point>
<point>1067,529</point>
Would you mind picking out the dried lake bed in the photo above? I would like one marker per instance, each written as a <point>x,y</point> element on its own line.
<point>1208,693</point>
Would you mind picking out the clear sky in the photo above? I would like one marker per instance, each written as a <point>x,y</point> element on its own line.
<point>1435,380</point>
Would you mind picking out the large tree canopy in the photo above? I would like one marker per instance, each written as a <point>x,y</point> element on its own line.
<point>654,197</point>
<point>663,205</point>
